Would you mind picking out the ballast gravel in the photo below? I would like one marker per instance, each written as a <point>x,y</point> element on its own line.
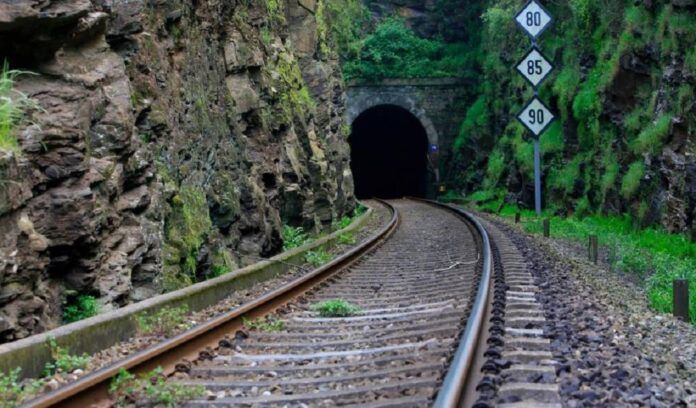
<point>610,348</point>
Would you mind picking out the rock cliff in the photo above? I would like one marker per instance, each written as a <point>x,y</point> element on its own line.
<point>168,142</point>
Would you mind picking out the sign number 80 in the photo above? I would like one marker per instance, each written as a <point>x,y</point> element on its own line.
<point>534,19</point>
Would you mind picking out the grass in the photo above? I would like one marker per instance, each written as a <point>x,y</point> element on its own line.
<point>653,257</point>
<point>153,387</point>
<point>164,322</point>
<point>335,308</point>
<point>268,324</point>
<point>12,107</point>
<point>293,237</point>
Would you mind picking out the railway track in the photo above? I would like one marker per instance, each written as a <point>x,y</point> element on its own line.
<point>427,299</point>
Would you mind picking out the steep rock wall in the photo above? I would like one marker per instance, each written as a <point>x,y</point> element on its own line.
<point>167,142</point>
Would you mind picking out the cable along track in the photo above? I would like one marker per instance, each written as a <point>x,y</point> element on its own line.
<point>417,283</point>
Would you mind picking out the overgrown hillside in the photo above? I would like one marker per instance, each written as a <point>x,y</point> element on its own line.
<point>624,93</point>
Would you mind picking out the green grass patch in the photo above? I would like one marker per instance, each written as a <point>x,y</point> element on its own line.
<point>293,237</point>
<point>632,178</point>
<point>164,322</point>
<point>335,308</point>
<point>13,106</point>
<point>268,324</point>
<point>152,387</point>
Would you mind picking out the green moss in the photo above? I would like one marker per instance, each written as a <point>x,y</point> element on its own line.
<point>651,139</point>
<point>186,229</point>
<point>632,178</point>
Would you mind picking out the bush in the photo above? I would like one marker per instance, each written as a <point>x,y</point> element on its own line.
<point>318,257</point>
<point>13,105</point>
<point>632,178</point>
<point>79,308</point>
<point>63,361</point>
<point>293,237</point>
<point>13,391</point>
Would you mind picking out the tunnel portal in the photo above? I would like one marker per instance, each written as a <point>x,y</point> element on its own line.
<point>389,153</point>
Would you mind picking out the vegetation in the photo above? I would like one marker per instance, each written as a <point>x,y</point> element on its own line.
<point>63,361</point>
<point>394,51</point>
<point>318,257</point>
<point>79,308</point>
<point>268,324</point>
<point>153,387</point>
<point>335,308</point>
<point>165,322</point>
<point>13,105</point>
<point>14,391</point>
<point>293,237</point>
<point>594,162</point>
<point>650,256</point>
<point>186,228</point>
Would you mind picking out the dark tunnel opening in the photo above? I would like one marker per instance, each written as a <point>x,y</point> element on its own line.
<point>389,149</point>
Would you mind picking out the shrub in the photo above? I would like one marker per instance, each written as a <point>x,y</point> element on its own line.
<point>318,257</point>
<point>165,322</point>
<point>651,139</point>
<point>335,308</point>
<point>79,308</point>
<point>293,237</point>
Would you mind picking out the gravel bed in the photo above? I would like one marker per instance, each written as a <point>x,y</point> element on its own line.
<point>111,355</point>
<point>611,349</point>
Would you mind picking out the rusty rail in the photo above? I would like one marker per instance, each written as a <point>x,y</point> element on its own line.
<point>92,389</point>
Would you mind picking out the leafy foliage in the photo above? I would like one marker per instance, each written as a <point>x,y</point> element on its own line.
<point>293,237</point>
<point>335,308</point>
<point>318,257</point>
<point>394,51</point>
<point>79,308</point>
<point>152,387</point>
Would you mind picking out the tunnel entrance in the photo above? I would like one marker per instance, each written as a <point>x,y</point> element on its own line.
<point>389,153</point>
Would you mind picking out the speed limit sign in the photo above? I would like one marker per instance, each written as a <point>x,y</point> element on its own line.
<point>536,117</point>
<point>534,19</point>
<point>534,67</point>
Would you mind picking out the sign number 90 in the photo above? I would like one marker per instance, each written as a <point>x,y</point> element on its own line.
<point>536,117</point>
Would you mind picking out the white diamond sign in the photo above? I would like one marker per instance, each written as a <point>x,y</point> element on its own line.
<point>535,67</point>
<point>536,117</point>
<point>534,19</point>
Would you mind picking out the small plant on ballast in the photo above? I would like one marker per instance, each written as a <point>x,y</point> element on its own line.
<point>267,324</point>
<point>164,322</point>
<point>63,361</point>
<point>151,387</point>
<point>14,391</point>
<point>335,308</point>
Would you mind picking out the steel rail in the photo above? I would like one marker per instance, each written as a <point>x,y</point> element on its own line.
<point>459,372</point>
<point>93,388</point>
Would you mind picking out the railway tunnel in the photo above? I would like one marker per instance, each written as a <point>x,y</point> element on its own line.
<point>389,153</point>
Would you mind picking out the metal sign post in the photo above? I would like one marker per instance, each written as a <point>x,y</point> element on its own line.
<point>535,68</point>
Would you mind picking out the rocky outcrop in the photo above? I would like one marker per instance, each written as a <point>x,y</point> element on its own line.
<point>169,141</point>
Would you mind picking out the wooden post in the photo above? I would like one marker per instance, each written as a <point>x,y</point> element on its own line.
<point>518,216</point>
<point>547,227</point>
<point>680,288</point>
<point>593,251</point>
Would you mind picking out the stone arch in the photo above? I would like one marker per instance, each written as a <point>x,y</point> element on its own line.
<point>362,102</point>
